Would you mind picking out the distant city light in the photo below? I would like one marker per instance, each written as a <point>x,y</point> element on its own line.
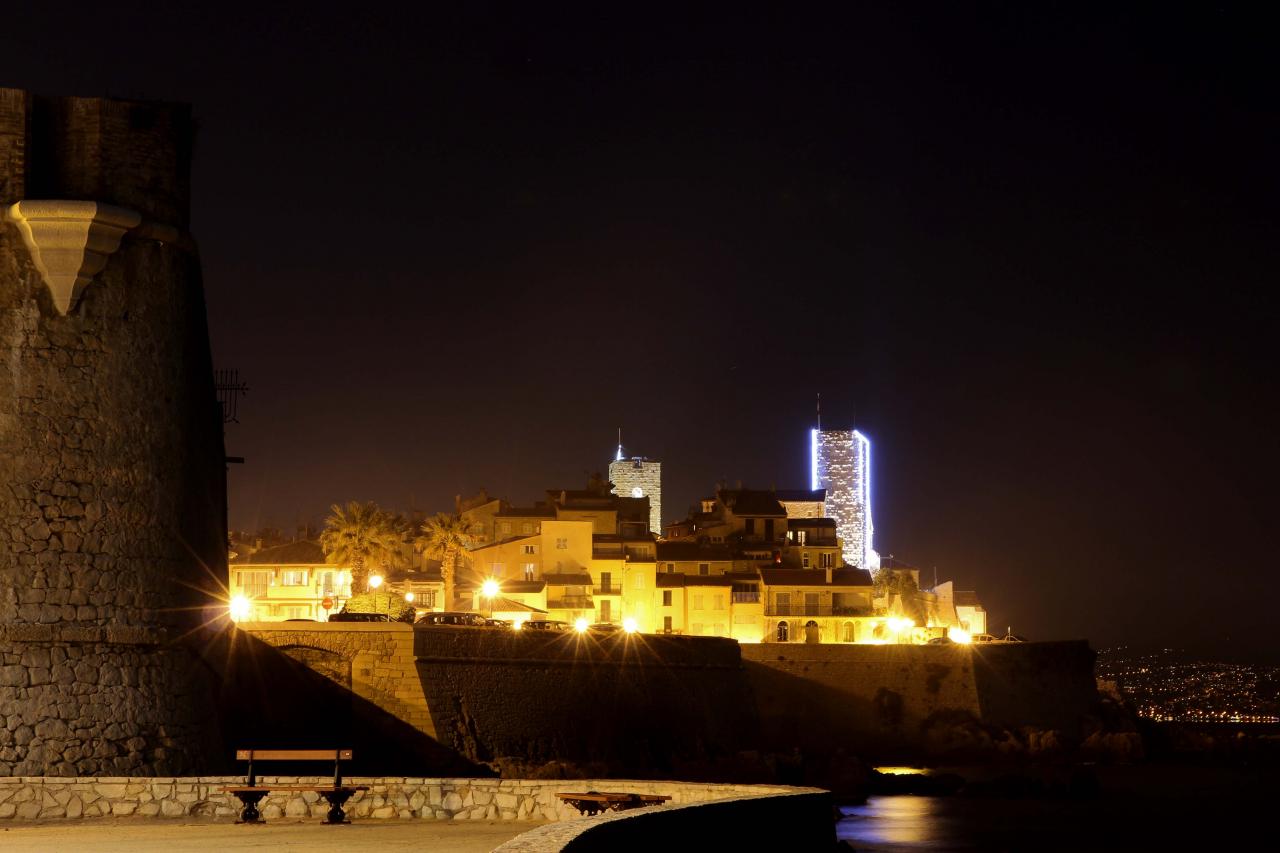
<point>240,608</point>
<point>629,625</point>
<point>637,492</point>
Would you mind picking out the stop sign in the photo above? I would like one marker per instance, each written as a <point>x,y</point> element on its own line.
<point>327,604</point>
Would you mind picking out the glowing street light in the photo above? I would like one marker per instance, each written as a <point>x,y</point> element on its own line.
<point>629,625</point>
<point>580,625</point>
<point>240,608</point>
<point>489,589</point>
<point>374,582</point>
<point>408,596</point>
<point>959,635</point>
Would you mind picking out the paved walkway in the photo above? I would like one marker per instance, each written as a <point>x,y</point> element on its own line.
<point>142,835</point>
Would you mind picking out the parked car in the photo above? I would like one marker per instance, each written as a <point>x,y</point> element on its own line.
<point>452,617</point>
<point>942,641</point>
<point>982,638</point>
<point>604,628</point>
<point>299,620</point>
<point>349,616</point>
<point>544,625</point>
<point>1012,638</point>
<point>498,623</point>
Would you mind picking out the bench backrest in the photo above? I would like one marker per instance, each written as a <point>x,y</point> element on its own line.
<point>337,756</point>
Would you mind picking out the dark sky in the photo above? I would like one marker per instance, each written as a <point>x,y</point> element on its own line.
<point>1027,250</point>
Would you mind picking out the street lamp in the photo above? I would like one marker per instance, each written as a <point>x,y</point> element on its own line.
<point>489,589</point>
<point>375,581</point>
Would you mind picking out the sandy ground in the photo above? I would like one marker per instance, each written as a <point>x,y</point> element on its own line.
<point>130,835</point>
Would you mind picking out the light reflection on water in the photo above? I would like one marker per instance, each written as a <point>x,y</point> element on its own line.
<point>900,823</point>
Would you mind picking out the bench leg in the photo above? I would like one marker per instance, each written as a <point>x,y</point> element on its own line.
<point>336,800</point>
<point>250,799</point>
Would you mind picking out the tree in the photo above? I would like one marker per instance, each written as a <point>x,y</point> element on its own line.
<point>445,537</point>
<point>890,582</point>
<point>359,535</point>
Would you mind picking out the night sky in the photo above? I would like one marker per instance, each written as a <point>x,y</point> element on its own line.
<point>1026,250</point>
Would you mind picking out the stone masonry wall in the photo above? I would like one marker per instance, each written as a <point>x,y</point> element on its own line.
<point>374,661</point>
<point>112,469</point>
<point>53,798</point>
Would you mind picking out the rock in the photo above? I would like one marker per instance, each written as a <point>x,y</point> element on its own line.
<point>452,802</point>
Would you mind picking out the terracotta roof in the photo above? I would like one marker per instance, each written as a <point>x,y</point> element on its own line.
<point>536,511</point>
<point>801,495</point>
<point>673,580</point>
<point>815,577</point>
<point>506,541</point>
<point>304,552</point>
<point>967,597</point>
<point>693,551</point>
<point>751,502</point>
<point>507,605</point>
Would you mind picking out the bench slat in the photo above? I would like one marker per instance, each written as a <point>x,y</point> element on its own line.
<point>293,754</point>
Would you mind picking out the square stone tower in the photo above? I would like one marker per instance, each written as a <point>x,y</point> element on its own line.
<point>840,462</point>
<point>639,477</point>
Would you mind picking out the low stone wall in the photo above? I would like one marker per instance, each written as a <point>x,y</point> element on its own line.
<point>56,797</point>
<point>801,819</point>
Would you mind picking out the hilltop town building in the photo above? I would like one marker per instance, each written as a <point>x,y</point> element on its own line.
<point>840,463</point>
<point>639,477</point>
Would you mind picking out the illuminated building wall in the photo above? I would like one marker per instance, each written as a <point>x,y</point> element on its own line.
<point>638,477</point>
<point>840,462</point>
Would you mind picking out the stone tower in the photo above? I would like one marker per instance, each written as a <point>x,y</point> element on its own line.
<point>639,477</point>
<point>112,471</point>
<point>840,462</point>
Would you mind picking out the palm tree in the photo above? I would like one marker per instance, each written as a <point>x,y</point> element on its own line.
<point>358,535</point>
<point>445,536</point>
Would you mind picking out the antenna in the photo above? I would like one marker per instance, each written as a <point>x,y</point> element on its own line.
<point>619,444</point>
<point>819,411</point>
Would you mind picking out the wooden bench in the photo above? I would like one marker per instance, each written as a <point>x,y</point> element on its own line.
<point>251,793</point>
<point>594,802</point>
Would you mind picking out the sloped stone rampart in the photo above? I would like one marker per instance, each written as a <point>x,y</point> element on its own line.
<point>58,798</point>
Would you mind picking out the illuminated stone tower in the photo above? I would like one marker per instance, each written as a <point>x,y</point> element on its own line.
<point>112,470</point>
<point>638,477</point>
<point>840,462</point>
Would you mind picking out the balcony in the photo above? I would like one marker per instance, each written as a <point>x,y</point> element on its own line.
<point>571,602</point>
<point>611,589</point>
<point>746,598</point>
<point>815,610</point>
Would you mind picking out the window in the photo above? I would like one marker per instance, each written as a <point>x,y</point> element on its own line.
<point>297,612</point>
<point>811,604</point>
<point>696,628</point>
<point>697,603</point>
<point>783,601</point>
<point>783,632</point>
<point>606,612</point>
<point>849,632</point>
<point>704,568</point>
<point>526,527</point>
<point>529,549</point>
<point>254,584</point>
<point>638,582</point>
<point>496,569</point>
<point>666,600</point>
<point>800,536</point>
<point>768,529</point>
<point>528,570</point>
<point>717,602</point>
<point>671,568</point>
<point>804,560</point>
<point>666,624</point>
<point>505,527</point>
<point>326,584</point>
<point>606,582</point>
<point>294,577</point>
<point>751,527</point>
<point>562,544</point>
<point>718,630</point>
<point>826,560</point>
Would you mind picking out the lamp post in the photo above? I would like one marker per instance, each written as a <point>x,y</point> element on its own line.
<point>375,581</point>
<point>489,589</point>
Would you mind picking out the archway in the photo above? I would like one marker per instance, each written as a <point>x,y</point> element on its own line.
<point>783,632</point>
<point>850,634</point>
<point>812,633</point>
